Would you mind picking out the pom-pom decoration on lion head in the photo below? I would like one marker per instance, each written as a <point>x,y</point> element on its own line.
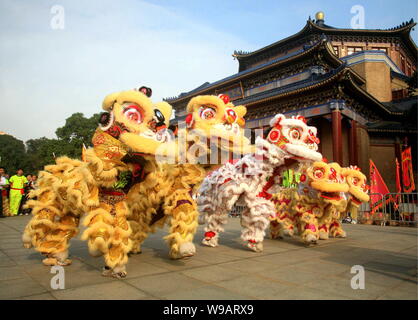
<point>132,118</point>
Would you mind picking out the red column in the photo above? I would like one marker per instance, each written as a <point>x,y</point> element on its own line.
<point>353,143</point>
<point>337,141</point>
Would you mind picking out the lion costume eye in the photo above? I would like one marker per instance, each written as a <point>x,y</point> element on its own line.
<point>274,135</point>
<point>318,173</point>
<point>333,175</point>
<point>207,113</point>
<point>355,181</point>
<point>134,113</point>
<point>231,115</point>
<point>294,133</point>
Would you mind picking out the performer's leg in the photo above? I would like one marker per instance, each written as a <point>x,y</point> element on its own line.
<point>184,223</point>
<point>217,215</point>
<point>255,221</point>
<point>108,234</point>
<point>286,221</point>
<point>59,241</point>
<point>336,229</point>
<point>323,227</point>
<point>275,229</point>
<point>325,221</point>
<point>309,226</point>
<point>49,230</point>
<point>140,226</point>
<point>21,210</point>
<point>15,197</point>
<point>353,213</point>
<point>116,257</point>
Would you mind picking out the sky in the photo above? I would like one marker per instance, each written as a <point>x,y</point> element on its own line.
<point>104,46</point>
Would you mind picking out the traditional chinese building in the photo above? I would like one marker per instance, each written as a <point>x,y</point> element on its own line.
<point>352,84</point>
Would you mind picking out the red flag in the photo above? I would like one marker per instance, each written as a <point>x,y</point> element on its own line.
<point>398,186</point>
<point>377,186</point>
<point>408,174</point>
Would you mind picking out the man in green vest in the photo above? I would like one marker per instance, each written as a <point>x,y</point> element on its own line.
<point>17,185</point>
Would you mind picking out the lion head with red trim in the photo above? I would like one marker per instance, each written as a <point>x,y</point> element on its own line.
<point>295,137</point>
<point>135,121</point>
<point>217,119</point>
<point>358,188</point>
<point>327,180</point>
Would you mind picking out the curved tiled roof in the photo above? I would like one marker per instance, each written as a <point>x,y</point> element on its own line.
<point>281,60</point>
<point>311,26</point>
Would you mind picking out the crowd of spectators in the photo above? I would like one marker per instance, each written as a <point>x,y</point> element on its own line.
<point>14,192</point>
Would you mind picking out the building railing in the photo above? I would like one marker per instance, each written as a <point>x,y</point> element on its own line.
<point>396,209</point>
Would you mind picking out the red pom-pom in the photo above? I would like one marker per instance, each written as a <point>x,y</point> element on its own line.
<point>302,178</point>
<point>325,160</point>
<point>301,118</point>
<point>189,118</point>
<point>224,98</point>
<point>210,234</point>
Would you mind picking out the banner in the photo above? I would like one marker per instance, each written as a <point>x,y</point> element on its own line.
<point>407,173</point>
<point>396,199</point>
<point>377,186</point>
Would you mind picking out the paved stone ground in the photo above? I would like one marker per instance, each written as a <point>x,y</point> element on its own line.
<point>285,270</point>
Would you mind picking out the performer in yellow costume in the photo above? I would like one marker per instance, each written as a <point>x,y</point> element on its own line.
<point>17,184</point>
<point>123,154</point>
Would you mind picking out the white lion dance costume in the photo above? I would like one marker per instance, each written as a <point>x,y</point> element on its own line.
<point>253,179</point>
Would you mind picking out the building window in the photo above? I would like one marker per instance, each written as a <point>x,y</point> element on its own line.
<point>385,50</point>
<point>351,50</point>
<point>399,94</point>
<point>336,51</point>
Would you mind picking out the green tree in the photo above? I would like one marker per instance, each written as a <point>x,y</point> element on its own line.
<point>12,153</point>
<point>40,152</point>
<point>78,130</point>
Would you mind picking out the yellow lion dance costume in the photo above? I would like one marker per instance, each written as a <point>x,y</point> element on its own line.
<point>168,198</point>
<point>314,210</point>
<point>131,130</point>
